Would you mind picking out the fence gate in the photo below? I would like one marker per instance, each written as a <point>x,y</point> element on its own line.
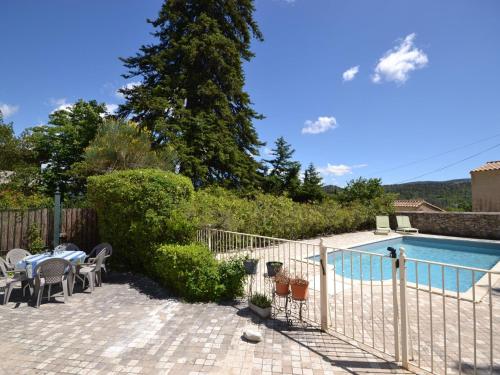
<point>429,316</point>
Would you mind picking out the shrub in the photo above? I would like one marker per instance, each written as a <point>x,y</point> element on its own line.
<point>140,209</point>
<point>190,271</point>
<point>36,244</point>
<point>232,276</point>
<point>260,300</point>
<point>273,216</point>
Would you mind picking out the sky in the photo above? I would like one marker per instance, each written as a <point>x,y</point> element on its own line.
<point>397,89</point>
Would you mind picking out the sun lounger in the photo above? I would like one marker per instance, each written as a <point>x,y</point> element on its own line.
<point>404,225</point>
<point>383,226</point>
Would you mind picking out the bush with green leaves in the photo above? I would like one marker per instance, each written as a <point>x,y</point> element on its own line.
<point>190,271</point>
<point>140,209</point>
<point>232,276</point>
<point>269,215</point>
<point>260,300</point>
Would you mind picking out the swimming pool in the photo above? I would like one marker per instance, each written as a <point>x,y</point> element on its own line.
<point>475,254</point>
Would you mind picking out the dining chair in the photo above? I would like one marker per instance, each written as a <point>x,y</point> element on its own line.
<point>92,271</point>
<point>14,256</point>
<point>51,272</point>
<point>7,282</point>
<point>97,249</point>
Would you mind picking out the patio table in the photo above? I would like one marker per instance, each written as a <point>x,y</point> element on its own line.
<point>29,263</point>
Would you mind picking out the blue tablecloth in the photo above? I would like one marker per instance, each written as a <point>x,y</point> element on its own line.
<point>29,263</point>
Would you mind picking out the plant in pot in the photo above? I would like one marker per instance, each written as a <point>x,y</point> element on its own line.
<point>261,305</point>
<point>282,283</point>
<point>300,288</point>
<point>273,268</point>
<point>250,265</point>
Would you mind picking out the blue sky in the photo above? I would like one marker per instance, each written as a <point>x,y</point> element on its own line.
<point>427,78</point>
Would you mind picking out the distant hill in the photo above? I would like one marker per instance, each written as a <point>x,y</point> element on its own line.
<point>453,195</point>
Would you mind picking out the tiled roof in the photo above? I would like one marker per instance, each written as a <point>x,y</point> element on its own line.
<point>489,166</point>
<point>408,202</point>
<point>415,203</point>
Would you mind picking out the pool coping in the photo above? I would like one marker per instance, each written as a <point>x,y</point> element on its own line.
<point>481,286</point>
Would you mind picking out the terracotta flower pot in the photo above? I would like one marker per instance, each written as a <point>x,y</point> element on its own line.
<point>299,290</point>
<point>282,289</point>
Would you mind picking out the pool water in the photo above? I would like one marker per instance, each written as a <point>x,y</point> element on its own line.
<point>474,254</point>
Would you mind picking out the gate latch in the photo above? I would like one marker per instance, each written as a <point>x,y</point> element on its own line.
<point>392,254</point>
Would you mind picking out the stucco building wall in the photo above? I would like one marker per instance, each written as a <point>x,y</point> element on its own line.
<point>486,191</point>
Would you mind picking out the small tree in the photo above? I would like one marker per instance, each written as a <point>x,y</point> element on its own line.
<point>121,145</point>
<point>61,143</point>
<point>312,187</point>
<point>283,175</point>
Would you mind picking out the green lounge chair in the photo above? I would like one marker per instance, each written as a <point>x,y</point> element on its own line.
<point>404,225</point>
<point>383,226</point>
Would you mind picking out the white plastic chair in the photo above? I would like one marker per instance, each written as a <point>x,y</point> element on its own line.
<point>49,272</point>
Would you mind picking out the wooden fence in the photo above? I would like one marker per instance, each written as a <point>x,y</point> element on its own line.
<point>79,225</point>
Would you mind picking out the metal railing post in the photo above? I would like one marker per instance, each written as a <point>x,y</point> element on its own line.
<point>323,286</point>
<point>395,308</point>
<point>402,293</point>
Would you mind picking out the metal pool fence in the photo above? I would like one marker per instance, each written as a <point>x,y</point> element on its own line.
<point>430,316</point>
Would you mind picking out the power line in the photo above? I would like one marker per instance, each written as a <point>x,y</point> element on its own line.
<point>451,165</point>
<point>433,156</point>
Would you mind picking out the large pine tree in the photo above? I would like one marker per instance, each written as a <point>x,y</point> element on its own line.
<point>192,94</point>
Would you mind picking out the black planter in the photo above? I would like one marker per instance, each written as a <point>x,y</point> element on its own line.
<point>251,266</point>
<point>273,268</point>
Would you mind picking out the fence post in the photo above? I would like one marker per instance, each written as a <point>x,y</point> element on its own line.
<point>209,239</point>
<point>323,286</point>
<point>402,293</point>
<point>57,217</point>
<point>395,307</point>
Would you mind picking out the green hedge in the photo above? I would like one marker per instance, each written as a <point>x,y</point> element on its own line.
<point>140,209</point>
<point>192,272</point>
<point>273,216</point>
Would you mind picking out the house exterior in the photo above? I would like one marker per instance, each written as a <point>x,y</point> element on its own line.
<point>485,182</point>
<point>402,205</point>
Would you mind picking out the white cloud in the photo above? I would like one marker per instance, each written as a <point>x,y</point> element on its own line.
<point>128,86</point>
<point>111,108</point>
<point>398,62</point>
<point>8,110</point>
<point>339,170</point>
<point>60,104</point>
<point>321,125</point>
<point>350,73</point>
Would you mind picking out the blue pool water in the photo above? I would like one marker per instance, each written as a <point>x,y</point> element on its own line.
<point>464,253</point>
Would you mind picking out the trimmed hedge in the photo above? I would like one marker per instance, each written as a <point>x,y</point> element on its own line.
<point>140,209</point>
<point>192,272</point>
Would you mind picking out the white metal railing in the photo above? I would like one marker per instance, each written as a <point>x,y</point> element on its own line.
<point>297,258</point>
<point>433,316</point>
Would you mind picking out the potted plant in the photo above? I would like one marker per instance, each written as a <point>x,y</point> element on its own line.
<point>282,282</point>
<point>261,305</point>
<point>250,265</point>
<point>300,288</point>
<point>273,268</point>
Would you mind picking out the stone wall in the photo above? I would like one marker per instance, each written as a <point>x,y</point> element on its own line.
<point>484,225</point>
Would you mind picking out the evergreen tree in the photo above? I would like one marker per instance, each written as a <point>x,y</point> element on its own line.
<point>283,175</point>
<point>312,187</point>
<point>191,93</point>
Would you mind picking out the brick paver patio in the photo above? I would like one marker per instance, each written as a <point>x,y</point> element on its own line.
<point>130,325</point>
